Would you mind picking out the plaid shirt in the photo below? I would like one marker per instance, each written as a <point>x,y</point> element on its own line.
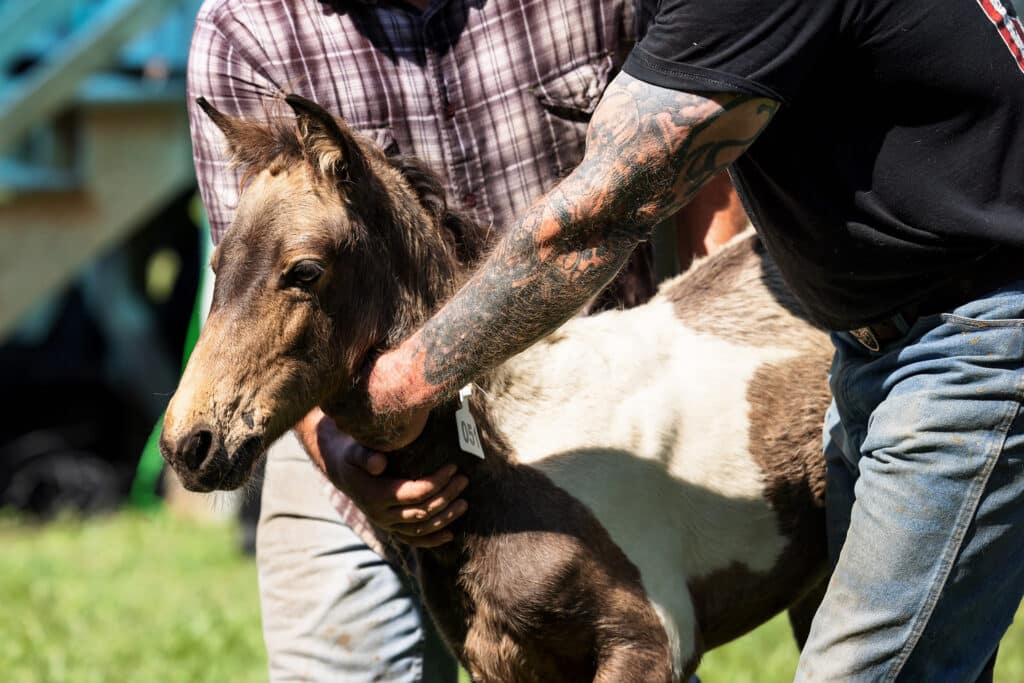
<point>494,94</point>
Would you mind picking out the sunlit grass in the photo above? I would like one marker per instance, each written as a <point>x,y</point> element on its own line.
<point>148,598</point>
<point>769,655</point>
<point>127,598</point>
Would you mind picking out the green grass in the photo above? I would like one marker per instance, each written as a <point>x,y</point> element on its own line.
<point>127,598</point>
<point>763,656</point>
<point>768,655</point>
<point>147,598</point>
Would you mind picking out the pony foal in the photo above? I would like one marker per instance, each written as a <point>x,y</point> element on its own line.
<point>652,482</point>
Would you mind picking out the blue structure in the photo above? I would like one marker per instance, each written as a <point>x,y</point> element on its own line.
<point>96,182</point>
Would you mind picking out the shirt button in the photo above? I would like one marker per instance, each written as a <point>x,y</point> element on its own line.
<point>450,110</point>
<point>469,200</point>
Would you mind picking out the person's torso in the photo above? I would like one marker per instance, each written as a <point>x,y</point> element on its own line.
<point>495,95</point>
<point>902,159</point>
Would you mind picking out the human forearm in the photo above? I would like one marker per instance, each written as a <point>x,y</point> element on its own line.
<point>649,150</point>
<point>524,290</point>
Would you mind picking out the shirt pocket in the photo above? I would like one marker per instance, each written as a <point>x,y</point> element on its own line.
<point>568,100</point>
<point>966,323</point>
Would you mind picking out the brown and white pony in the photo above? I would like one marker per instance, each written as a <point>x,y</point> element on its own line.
<point>652,486</point>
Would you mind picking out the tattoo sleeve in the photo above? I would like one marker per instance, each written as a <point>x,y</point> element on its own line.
<point>649,149</point>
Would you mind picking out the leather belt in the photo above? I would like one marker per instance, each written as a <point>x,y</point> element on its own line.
<point>871,337</point>
<point>987,274</point>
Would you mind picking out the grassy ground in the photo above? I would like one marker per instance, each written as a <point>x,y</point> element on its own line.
<point>127,598</point>
<point>147,598</point>
<point>768,655</point>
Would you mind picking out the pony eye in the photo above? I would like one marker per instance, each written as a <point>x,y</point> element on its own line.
<point>304,273</point>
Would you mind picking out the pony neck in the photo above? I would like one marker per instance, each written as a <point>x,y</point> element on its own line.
<point>438,444</point>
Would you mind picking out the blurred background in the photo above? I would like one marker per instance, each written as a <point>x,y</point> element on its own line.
<point>100,242</point>
<point>103,251</point>
<point>103,285</point>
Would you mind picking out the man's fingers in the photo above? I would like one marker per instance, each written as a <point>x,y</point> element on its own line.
<point>356,455</point>
<point>393,502</point>
<point>416,491</point>
<point>407,515</point>
<point>432,533</point>
<point>432,526</point>
<point>374,463</point>
<point>422,513</point>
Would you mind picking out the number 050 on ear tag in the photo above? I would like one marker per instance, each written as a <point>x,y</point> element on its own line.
<point>469,437</point>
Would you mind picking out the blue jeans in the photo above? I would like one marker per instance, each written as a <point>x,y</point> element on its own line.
<point>924,446</point>
<point>333,610</point>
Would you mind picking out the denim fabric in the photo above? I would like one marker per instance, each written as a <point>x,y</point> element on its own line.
<point>333,610</point>
<point>924,447</point>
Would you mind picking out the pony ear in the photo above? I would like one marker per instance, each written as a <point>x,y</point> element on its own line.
<point>327,143</point>
<point>250,144</point>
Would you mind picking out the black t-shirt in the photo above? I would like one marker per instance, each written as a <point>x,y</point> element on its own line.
<point>897,159</point>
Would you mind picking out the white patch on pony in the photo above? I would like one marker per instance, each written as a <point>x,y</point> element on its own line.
<point>653,439</point>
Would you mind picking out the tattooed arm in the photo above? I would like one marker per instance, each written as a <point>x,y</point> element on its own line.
<point>649,149</point>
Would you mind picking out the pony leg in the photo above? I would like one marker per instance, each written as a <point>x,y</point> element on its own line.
<point>801,612</point>
<point>629,665</point>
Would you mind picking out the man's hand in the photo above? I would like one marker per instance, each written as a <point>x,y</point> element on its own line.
<point>414,511</point>
<point>380,411</point>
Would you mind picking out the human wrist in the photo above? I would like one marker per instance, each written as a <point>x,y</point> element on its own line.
<point>307,431</point>
<point>395,386</point>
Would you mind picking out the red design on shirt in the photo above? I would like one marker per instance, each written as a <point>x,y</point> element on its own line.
<point>1009,26</point>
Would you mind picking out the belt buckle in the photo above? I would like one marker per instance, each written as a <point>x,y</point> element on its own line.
<point>866,337</point>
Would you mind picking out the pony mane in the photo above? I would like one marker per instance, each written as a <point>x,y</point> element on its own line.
<point>469,238</point>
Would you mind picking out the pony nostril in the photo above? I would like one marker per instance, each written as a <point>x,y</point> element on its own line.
<point>197,448</point>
